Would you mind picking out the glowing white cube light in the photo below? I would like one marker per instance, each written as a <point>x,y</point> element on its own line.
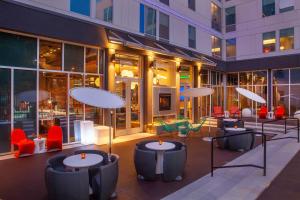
<point>86,132</point>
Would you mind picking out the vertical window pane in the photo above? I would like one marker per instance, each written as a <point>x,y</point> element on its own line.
<point>295,99</point>
<point>75,107</point>
<point>295,76</point>
<point>245,78</point>
<point>91,60</point>
<point>216,49</point>
<point>269,42</point>
<point>25,98</point>
<point>230,19</point>
<point>53,102</point>
<point>268,7</point>
<point>192,4</point>
<point>5,110</point>
<point>231,49</point>
<point>80,6</point>
<point>286,39</point>
<point>164,26</point>
<point>104,10</point>
<point>164,2</point>
<point>92,113</point>
<point>50,55</point>
<point>192,37</point>
<point>74,58</point>
<point>260,77</point>
<point>232,79</point>
<point>216,22</point>
<point>150,21</point>
<point>17,51</point>
<point>281,97</point>
<point>281,76</point>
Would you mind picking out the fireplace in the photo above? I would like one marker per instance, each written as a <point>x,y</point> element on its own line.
<point>164,101</point>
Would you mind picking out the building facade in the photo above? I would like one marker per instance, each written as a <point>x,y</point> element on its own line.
<point>147,51</point>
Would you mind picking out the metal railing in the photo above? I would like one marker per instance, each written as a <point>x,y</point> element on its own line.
<point>285,128</point>
<point>244,165</point>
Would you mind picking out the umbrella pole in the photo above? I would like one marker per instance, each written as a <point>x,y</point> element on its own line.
<point>111,120</point>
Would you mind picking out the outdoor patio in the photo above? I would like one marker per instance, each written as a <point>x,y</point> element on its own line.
<point>24,178</point>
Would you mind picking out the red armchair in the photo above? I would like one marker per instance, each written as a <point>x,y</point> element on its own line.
<point>25,146</point>
<point>263,112</point>
<point>218,111</point>
<point>54,138</point>
<point>234,111</point>
<point>279,112</point>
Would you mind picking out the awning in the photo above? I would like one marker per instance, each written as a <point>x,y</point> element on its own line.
<point>160,47</point>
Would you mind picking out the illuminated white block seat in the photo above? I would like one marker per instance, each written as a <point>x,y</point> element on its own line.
<point>84,129</point>
<point>101,135</point>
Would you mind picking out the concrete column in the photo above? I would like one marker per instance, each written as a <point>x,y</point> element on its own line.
<point>225,91</point>
<point>147,91</point>
<point>196,103</point>
<point>270,90</point>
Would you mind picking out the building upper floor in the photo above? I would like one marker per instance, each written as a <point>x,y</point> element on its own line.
<point>225,29</point>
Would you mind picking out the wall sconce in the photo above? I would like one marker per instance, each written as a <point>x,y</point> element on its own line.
<point>179,69</point>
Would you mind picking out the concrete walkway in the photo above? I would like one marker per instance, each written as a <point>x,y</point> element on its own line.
<point>242,183</point>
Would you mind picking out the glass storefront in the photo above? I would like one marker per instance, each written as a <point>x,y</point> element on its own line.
<point>255,81</point>
<point>34,96</point>
<point>214,80</point>
<point>286,90</point>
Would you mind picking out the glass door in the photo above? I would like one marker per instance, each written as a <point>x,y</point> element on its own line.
<point>128,118</point>
<point>185,103</point>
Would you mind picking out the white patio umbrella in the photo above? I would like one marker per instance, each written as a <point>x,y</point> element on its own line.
<point>199,92</point>
<point>98,98</point>
<point>251,95</point>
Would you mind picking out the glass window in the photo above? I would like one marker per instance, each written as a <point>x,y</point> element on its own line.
<point>74,58</point>
<point>164,2</point>
<point>286,39</point>
<point>5,109</point>
<point>260,77</point>
<point>295,76</point>
<point>232,79</point>
<point>281,97</point>
<point>25,98</point>
<point>216,49</point>
<point>216,21</point>
<point>268,7</point>
<point>192,37</point>
<point>295,99</point>
<point>80,6</point>
<point>245,78</point>
<point>192,4</point>
<point>150,21</point>
<point>50,55</point>
<point>127,66</point>
<point>92,113</point>
<point>75,108</point>
<point>204,77</point>
<point>230,19</point>
<point>91,60</point>
<point>286,5</point>
<point>17,51</point>
<point>53,102</point>
<point>104,10</point>
<point>164,26</point>
<point>231,49</point>
<point>281,76</point>
<point>269,42</point>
